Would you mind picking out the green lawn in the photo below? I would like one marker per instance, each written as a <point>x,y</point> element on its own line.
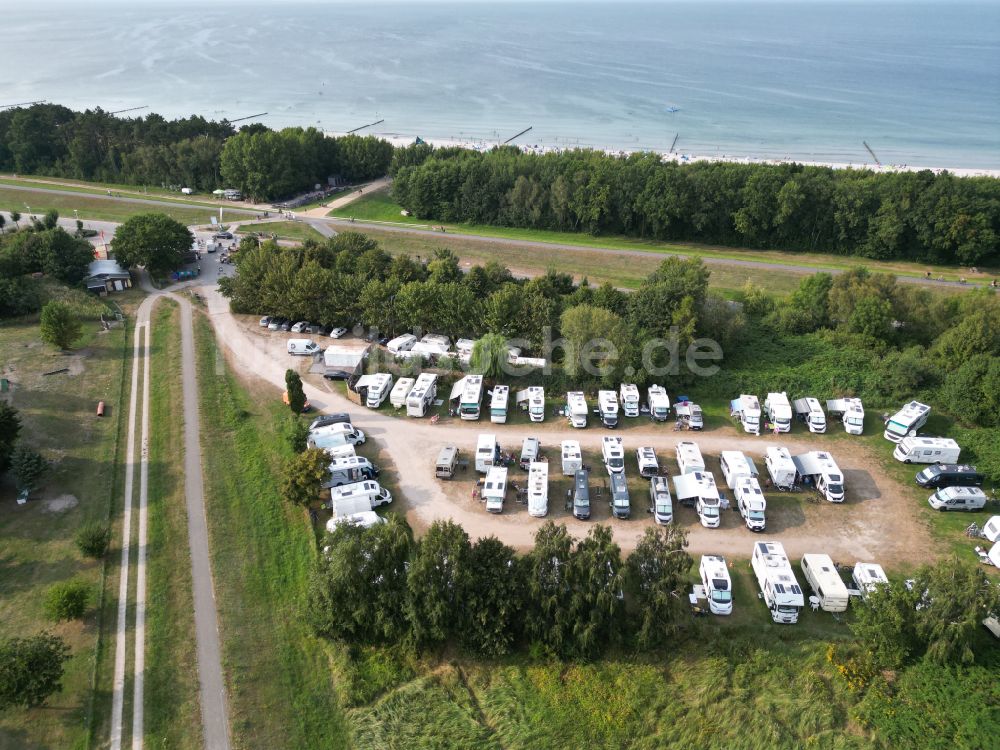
<point>125,191</point>
<point>285,230</point>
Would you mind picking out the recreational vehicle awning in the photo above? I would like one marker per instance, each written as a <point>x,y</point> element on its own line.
<point>366,381</point>
<point>695,484</point>
<point>522,397</point>
<point>808,464</point>
<point>456,389</point>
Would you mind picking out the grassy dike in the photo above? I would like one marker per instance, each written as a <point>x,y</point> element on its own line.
<point>278,674</point>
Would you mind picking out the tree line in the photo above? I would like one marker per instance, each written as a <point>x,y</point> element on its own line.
<point>919,216</point>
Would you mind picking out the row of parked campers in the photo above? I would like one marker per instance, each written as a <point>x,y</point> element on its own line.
<point>779,412</point>
<point>626,401</point>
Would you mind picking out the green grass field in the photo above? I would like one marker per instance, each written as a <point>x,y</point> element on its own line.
<point>125,191</point>
<point>285,230</point>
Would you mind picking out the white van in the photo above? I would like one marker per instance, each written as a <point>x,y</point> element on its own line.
<point>718,586</point>
<point>302,346</point>
<point>538,489</point>
<point>646,458</point>
<point>958,498</point>
<point>373,491</point>
<point>613,453</point>
<point>825,581</point>
<point>495,488</point>
<point>661,505</point>
<point>689,458</point>
<point>350,470</point>
<point>926,450</point>
<point>572,457</point>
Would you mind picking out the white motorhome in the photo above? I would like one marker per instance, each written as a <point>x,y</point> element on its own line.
<point>379,385</point>
<point>645,456</point>
<point>819,468</point>
<point>735,465</point>
<point>576,409</point>
<point>850,411</point>
<point>335,435</point>
<point>572,457</point>
<point>401,343</point>
<point>781,467</point>
<point>926,450</point>
<point>777,583</point>
<point>533,399</point>
<point>659,403</point>
<point>689,415</point>
<point>868,577</point>
<point>823,578</point>
<point>689,457</point>
<point>958,498</point>
<point>906,421</point>
<point>495,488</point>
<point>613,453</point>
<point>340,451</point>
<point>779,411</point>
<point>487,452</point>
<point>531,449</point>
<point>472,397</point>
<point>607,404</point>
<point>302,346</point>
<point>365,519</point>
<point>397,397</point>
<point>538,489</point>
<point>349,470</point>
<point>661,505</point>
<point>747,410</point>
<point>630,399</point>
<point>810,413</point>
<point>751,503</point>
<point>498,403</point>
<point>717,584</point>
<point>375,494</point>
<point>698,489</point>
<point>420,399</point>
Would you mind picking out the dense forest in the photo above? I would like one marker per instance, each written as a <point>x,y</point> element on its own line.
<point>917,216</point>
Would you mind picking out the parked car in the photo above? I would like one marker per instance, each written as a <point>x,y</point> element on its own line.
<point>328,419</point>
<point>222,236</point>
<point>336,333</point>
<point>300,326</point>
<point>285,326</point>
<point>275,324</point>
<point>315,328</point>
<point>265,321</point>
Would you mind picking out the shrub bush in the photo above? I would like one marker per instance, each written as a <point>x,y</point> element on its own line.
<point>93,539</point>
<point>67,600</point>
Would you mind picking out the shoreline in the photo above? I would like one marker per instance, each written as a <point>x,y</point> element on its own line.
<point>401,140</point>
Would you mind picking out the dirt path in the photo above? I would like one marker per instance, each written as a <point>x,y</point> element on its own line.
<point>878,522</point>
<point>320,212</point>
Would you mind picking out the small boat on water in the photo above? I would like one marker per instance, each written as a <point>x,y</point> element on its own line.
<point>673,109</point>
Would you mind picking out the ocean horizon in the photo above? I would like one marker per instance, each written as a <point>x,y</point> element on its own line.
<point>920,83</point>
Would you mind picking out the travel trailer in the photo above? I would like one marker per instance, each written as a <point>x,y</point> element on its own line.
<point>659,403</point>
<point>399,392</point>
<point>906,421</point>
<point>302,346</point>
<point>607,405</point>
<point>422,396</point>
<point>717,584</point>
<point>630,399</point>
<point>576,409</point>
<point>613,453</point>
<point>779,411</point>
<point>538,489</point>
<point>621,505</point>
<point>495,488</point>
<point>926,450</point>
<point>781,467</point>
<point>581,495</point>
<point>401,343</point>
<point>810,413</point>
<point>822,576</point>
<point>498,404</point>
<point>689,457</point>
<point>472,397</point>
<point>958,498</point>
<point>736,465</point>
<point>572,457</point>
<point>819,468</point>
<point>447,461</point>
<point>661,505</point>
<point>777,583</point>
<point>751,503</point>
<point>868,577</point>
<point>747,410</point>
<point>850,411</point>
<point>646,458</point>
<point>689,415</point>
<point>698,489</point>
<point>533,399</point>
<point>487,453</point>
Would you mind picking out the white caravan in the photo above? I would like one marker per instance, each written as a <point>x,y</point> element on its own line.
<point>401,343</point>
<point>689,458</point>
<point>820,468</point>
<point>495,488</point>
<point>926,450</point>
<point>472,397</point>
<point>572,457</point>
<point>735,465</point>
<point>991,529</point>
<point>630,399</point>
<point>373,491</point>
<point>498,404</point>
<point>302,346</point>
<point>777,583</point>
<point>958,498</point>
<point>420,399</point>
<point>538,489</point>
<point>810,413</point>
<point>576,409</point>
<point>781,467</point>
<point>823,578</point>
<point>645,456</point>
<point>868,577</point>
<point>365,519</point>
<point>906,421</point>
<point>379,385</point>
<point>607,404</point>
<point>689,414</point>
<point>660,503</point>
<point>533,400</point>
<point>698,489</point>
<point>779,411</point>
<point>850,411</point>
<point>613,453</point>
<point>487,453</point>
<point>747,410</point>
<point>397,397</point>
<point>659,403</point>
<point>438,340</point>
<point>717,584</point>
<point>751,503</point>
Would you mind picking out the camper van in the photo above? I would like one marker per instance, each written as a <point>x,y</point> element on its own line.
<point>777,583</point>
<point>958,498</point>
<point>689,415</point>
<point>302,346</point>
<point>736,465</point>
<point>576,409</point>
<point>472,397</point>
<point>850,411</point>
<point>607,404</point>
<point>868,577</point>
<point>533,399</point>
<point>613,453</point>
<point>689,457</point>
<point>447,461</point>
<point>530,450</point>
<point>340,451</point>
<point>646,458</point>
<point>350,470</point>
<point>659,403</point>
<point>810,413</point>
<point>661,505</point>
<point>401,343</point>
<point>498,404</point>
<point>781,467</point>
<point>572,457</point>
<point>581,495</point>
<point>698,489</point>
<point>630,399</point>
<point>747,410</point>
<point>538,489</point>
<point>717,584</point>
<point>375,494</point>
<point>779,411</point>
<point>421,398</point>
<point>487,452</point>
<point>751,503</point>
<point>335,435</point>
<point>379,385</point>
<point>926,450</point>
<point>823,578</point>
<point>906,421</point>
<point>495,488</point>
<point>399,392</point>
<point>621,506</point>
<point>819,468</point>
<point>949,475</point>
